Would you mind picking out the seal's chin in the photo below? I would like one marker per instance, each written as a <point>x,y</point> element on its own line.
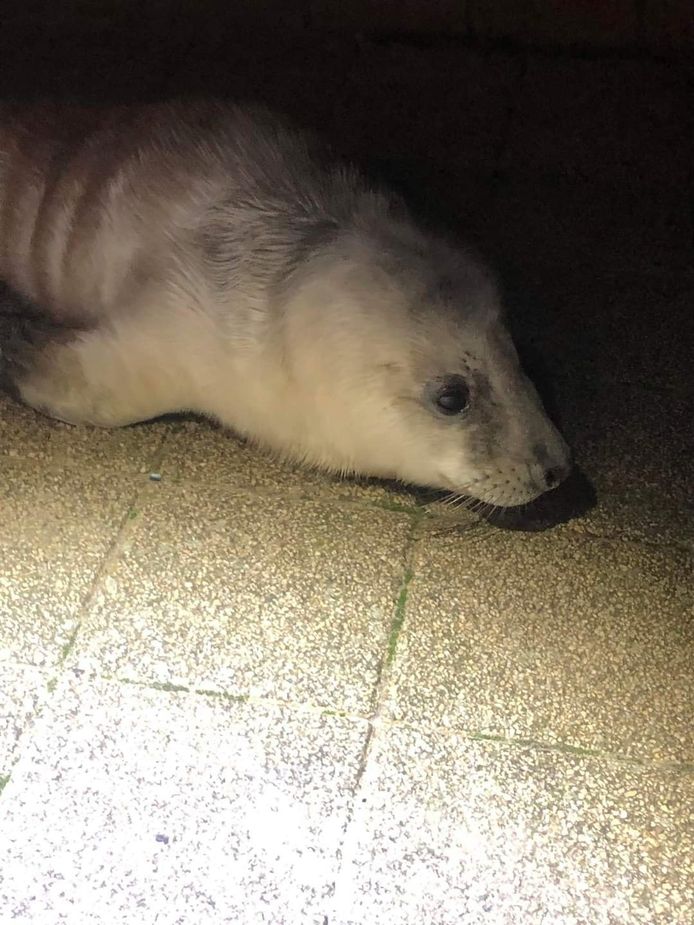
<point>504,502</point>
<point>504,498</point>
<point>576,496</point>
<point>499,496</point>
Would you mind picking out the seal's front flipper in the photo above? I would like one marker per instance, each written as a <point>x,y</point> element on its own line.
<point>107,376</point>
<point>24,330</point>
<point>32,367</point>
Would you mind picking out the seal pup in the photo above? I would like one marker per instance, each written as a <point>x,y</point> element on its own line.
<point>207,257</point>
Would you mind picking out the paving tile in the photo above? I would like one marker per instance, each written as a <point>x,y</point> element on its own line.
<point>251,595</point>
<point>125,448</point>
<point>25,434</point>
<point>635,446</point>
<point>133,805</point>
<point>23,689</point>
<point>197,451</point>
<point>451,830</point>
<point>627,120</point>
<point>56,527</point>
<point>552,637</point>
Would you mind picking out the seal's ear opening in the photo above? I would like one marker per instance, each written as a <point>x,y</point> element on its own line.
<point>391,368</point>
<point>396,378</point>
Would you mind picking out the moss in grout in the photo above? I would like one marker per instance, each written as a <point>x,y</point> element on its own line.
<point>232,698</point>
<point>396,507</point>
<point>4,780</point>
<point>168,686</point>
<point>577,751</point>
<point>398,617</point>
<point>67,647</point>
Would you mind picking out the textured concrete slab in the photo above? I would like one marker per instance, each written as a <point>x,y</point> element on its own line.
<point>634,444</point>
<point>132,805</point>
<point>553,638</point>
<point>23,688</point>
<point>451,830</point>
<point>25,434</point>
<point>259,596</point>
<point>125,449</point>
<point>56,527</point>
<point>198,451</point>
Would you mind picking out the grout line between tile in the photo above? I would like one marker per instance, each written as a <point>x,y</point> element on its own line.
<point>378,721</point>
<point>381,721</point>
<point>398,616</point>
<point>361,769</point>
<point>578,752</point>
<point>111,556</point>
<point>397,622</point>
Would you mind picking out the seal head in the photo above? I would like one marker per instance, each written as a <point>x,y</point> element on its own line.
<point>396,350</point>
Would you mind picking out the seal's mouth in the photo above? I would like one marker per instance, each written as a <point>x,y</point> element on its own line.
<point>574,498</point>
<point>570,499</point>
<point>503,494</point>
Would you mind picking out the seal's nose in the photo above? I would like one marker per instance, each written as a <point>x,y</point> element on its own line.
<point>555,475</point>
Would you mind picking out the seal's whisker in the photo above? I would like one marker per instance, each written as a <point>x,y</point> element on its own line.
<point>456,499</point>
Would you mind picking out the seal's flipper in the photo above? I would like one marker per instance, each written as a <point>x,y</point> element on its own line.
<point>107,376</point>
<point>32,367</point>
<point>24,333</point>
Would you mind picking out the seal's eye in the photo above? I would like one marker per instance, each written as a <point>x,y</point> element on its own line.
<point>453,398</point>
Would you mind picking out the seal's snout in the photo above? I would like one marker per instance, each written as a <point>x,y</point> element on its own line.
<point>555,475</point>
<point>553,464</point>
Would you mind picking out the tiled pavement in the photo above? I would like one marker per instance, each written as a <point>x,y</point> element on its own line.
<point>243,693</point>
